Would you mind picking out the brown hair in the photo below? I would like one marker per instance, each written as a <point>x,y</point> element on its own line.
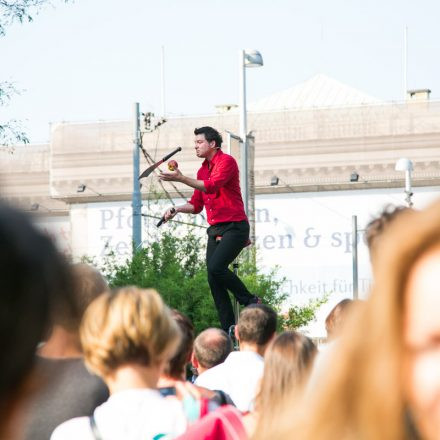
<point>287,364</point>
<point>363,398</point>
<point>257,324</point>
<point>380,224</point>
<point>337,317</point>
<point>87,284</point>
<point>34,281</point>
<point>129,325</point>
<point>176,365</point>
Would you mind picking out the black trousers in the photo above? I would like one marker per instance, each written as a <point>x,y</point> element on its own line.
<point>219,255</point>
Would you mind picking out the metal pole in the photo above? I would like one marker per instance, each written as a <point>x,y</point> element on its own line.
<point>243,131</point>
<point>355,257</point>
<point>163,81</point>
<point>405,61</point>
<point>235,304</point>
<point>136,198</point>
<point>408,188</point>
<point>236,309</point>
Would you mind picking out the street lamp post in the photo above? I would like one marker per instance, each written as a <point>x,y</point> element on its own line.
<point>136,196</point>
<point>404,164</point>
<point>247,58</point>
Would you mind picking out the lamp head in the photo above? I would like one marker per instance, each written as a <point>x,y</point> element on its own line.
<point>354,176</point>
<point>404,164</point>
<point>252,58</point>
<point>274,181</point>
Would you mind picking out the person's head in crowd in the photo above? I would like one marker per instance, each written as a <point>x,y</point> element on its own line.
<point>128,333</point>
<point>176,367</point>
<point>34,281</point>
<point>287,364</point>
<point>385,379</point>
<point>87,284</point>
<point>211,347</point>
<point>379,225</point>
<point>337,318</point>
<point>256,327</point>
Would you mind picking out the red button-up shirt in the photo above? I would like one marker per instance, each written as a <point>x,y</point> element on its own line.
<point>222,198</point>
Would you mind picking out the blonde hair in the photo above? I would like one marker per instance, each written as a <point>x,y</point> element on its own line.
<point>130,325</point>
<point>338,316</point>
<point>378,226</point>
<point>287,363</point>
<point>363,395</point>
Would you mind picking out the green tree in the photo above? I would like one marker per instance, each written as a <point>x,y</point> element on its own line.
<point>175,266</point>
<point>11,131</point>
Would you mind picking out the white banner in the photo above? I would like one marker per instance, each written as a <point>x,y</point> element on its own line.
<point>307,235</point>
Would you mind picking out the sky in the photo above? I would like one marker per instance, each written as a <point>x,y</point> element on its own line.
<point>89,60</point>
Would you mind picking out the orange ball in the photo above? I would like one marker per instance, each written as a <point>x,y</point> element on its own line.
<point>172,165</point>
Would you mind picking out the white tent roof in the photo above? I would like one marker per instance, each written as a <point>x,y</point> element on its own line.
<point>317,92</point>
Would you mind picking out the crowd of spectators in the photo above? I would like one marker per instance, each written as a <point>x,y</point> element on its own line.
<point>82,361</point>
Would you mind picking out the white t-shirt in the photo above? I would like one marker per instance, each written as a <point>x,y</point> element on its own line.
<point>239,376</point>
<point>137,414</point>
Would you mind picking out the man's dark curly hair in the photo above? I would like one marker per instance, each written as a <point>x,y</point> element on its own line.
<point>211,134</point>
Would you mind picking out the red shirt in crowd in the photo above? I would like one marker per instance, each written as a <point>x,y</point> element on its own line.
<point>222,198</point>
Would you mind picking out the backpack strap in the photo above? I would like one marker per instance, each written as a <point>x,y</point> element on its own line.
<point>222,397</point>
<point>94,428</point>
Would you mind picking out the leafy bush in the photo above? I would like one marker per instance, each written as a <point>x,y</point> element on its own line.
<point>298,316</point>
<point>175,266</point>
